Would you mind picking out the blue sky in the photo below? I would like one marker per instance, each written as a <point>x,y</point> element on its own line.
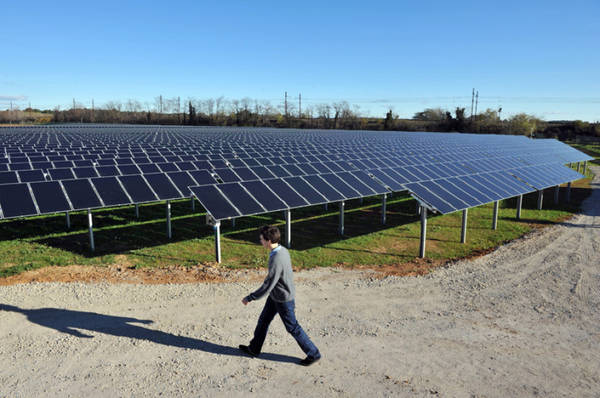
<point>539,57</point>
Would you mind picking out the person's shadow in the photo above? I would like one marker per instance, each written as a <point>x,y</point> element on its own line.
<point>67,321</point>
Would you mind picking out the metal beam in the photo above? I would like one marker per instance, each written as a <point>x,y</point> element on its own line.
<point>495,218</point>
<point>169,219</point>
<point>68,218</point>
<point>193,204</point>
<point>217,229</point>
<point>463,231</point>
<point>383,209</point>
<point>423,231</point>
<point>91,231</point>
<point>540,199</point>
<point>137,211</point>
<point>288,228</point>
<point>342,204</point>
<point>519,205</point>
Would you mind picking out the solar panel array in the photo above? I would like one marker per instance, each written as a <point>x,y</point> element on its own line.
<point>240,171</point>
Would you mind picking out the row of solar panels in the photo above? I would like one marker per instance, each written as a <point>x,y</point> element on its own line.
<point>35,198</point>
<point>363,152</point>
<point>402,174</point>
<point>356,162</point>
<point>458,193</point>
<point>445,195</point>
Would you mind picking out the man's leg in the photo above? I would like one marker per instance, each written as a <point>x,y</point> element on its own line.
<point>264,320</point>
<point>286,312</point>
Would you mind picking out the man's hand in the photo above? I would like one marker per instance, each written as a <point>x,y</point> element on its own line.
<point>244,301</point>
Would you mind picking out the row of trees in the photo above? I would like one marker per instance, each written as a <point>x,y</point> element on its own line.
<point>337,115</point>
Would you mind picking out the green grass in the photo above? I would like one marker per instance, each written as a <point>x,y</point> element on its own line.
<point>32,243</point>
<point>589,149</point>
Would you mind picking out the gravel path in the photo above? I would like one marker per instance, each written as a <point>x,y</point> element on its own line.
<point>522,321</point>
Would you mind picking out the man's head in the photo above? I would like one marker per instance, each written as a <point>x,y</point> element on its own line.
<point>269,235</point>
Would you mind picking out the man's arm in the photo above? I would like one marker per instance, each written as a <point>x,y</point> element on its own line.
<point>273,276</point>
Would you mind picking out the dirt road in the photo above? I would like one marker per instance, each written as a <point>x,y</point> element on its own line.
<point>522,321</point>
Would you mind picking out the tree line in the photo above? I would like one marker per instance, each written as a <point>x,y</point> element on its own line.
<point>337,115</point>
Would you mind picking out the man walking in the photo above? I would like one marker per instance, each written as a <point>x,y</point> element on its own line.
<point>279,285</point>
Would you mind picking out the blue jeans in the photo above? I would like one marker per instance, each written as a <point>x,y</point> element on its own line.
<point>286,312</point>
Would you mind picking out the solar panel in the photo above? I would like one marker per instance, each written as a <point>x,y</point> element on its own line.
<point>8,177</point>
<point>16,200</point>
<point>61,174</point>
<point>183,181</point>
<point>85,172</point>
<point>430,198</point>
<point>226,175</point>
<point>162,186</point>
<point>340,186</point>
<point>81,194</point>
<point>214,202</point>
<point>241,199</point>
<point>202,177</point>
<point>286,193</point>
<point>264,195</point>
<point>50,197</point>
<point>138,189</point>
<point>31,175</point>
<point>305,190</point>
<point>371,183</point>
<point>110,191</point>
<point>330,193</point>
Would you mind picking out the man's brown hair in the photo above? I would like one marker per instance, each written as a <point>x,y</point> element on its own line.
<point>270,233</point>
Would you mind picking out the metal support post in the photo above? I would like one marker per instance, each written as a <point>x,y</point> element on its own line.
<point>233,223</point>
<point>68,217</point>
<point>169,219</point>
<point>361,201</point>
<point>540,200</point>
<point>383,209</point>
<point>418,209</point>
<point>423,231</point>
<point>342,217</point>
<point>463,231</point>
<point>569,192</point>
<point>217,229</point>
<point>288,228</point>
<point>92,245</point>
<point>578,166</point>
<point>137,211</point>
<point>519,205</point>
<point>193,201</point>
<point>325,206</point>
<point>584,167</point>
<point>556,192</point>
<point>495,219</point>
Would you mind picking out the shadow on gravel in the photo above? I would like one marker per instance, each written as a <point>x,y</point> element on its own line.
<point>67,321</point>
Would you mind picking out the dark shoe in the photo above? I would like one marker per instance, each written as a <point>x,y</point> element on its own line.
<point>246,349</point>
<point>309,361</point>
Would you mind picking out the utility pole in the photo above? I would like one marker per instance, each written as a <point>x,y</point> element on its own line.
<point>300,106</point>
<point>476,101</point>
<point>472,101</point>
<point>285,106</point>
<point>93,113</point>
<point>73,103</point>
<point>179,110</point>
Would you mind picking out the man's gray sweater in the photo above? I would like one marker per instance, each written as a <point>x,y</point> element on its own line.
<point>279,283</point>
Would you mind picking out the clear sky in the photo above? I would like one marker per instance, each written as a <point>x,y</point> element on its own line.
<point>539,57</point>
